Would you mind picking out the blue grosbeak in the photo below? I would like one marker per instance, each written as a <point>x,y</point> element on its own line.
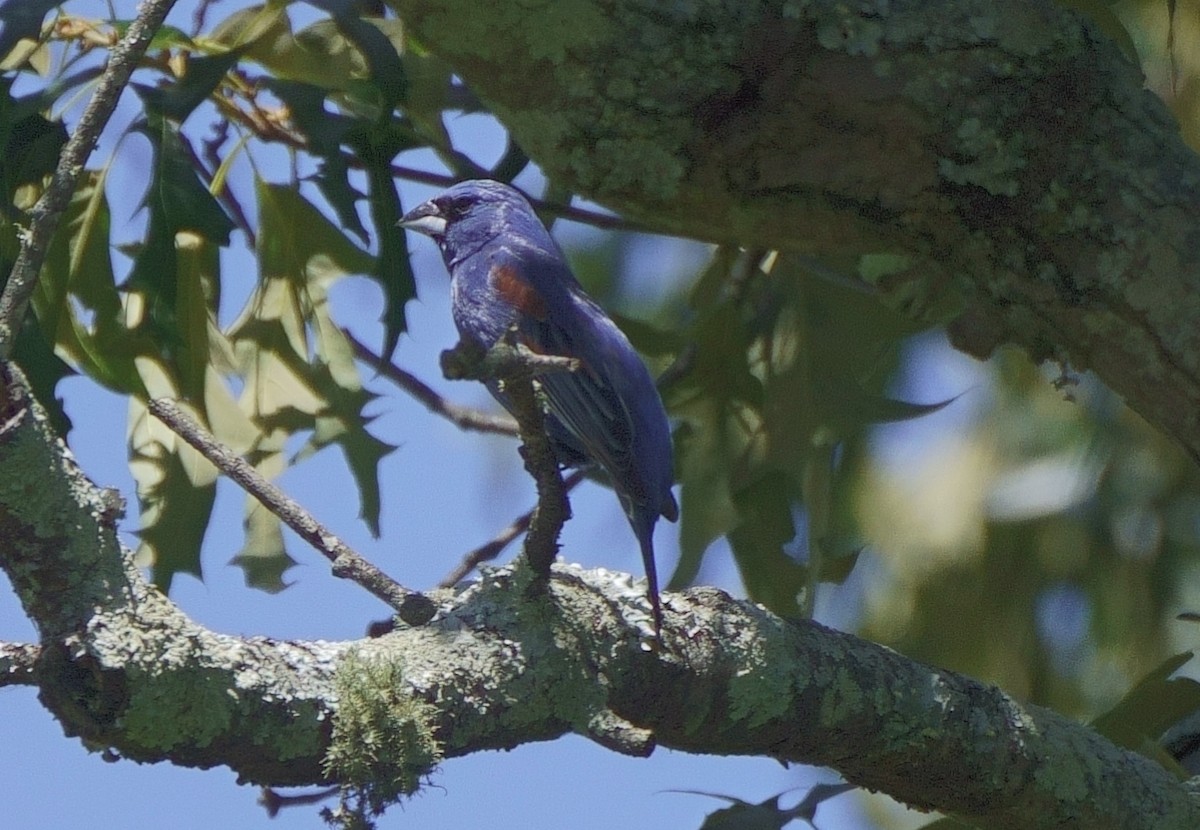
<point>507,273</point>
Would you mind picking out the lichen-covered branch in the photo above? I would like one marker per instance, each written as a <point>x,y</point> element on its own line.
<point>124,669</point>
<point>997,166</point>
<point>17,661</point>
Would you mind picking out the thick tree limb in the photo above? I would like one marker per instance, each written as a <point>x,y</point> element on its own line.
<point>994,164</point>
<point>17,662</point>
<point>121,667</point>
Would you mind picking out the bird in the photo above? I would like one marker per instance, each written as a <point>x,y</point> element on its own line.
<point>508,274</point>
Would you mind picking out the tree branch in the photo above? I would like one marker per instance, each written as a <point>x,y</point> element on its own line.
<point>462,417</point>
<point>17,663</point>
<point>121,667</point>
<point>999,166</point>
<point>413,607</point>
<point>45,214</point>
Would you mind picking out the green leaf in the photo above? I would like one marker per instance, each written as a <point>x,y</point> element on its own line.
<point>717,401</point>
<point>393,271</point>
<point>385,69</point>
<point>342,422</point>
<point>325,133</point>
<point>263,558</point>
<point>176,486</point>
<point>1147,710</point>
<point>288,318</point>
<point>177,100</point>
<point>79,266</point>
<point>766,525</point>
<point>172,287</point>
<point>648,338</point>
<point>326,54</point>
<point>44,369</point>
<point>29,144</point>
<point>177,196</point>
<point>22,19</point>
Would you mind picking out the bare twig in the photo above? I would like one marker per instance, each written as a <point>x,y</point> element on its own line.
<point>491,549</point>
<point>414,608</point>
<point>45,215</point>
<point>17,662</point>
<point>463,417</point>
<point>516,368</point>
<point>274,801</point>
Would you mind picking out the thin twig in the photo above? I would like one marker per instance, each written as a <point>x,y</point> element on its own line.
<point>17,663</point>
<point>492,548</point>
<point>45,215</point>
<point>463,417</point>
<point>414,608</point>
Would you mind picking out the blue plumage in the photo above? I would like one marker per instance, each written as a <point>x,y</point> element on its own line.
<point>506,270</point>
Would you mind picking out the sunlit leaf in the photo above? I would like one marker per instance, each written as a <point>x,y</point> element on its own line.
<point>22,19</point>
<point>176,486</point>
<point>263,557</point>
<point>297,366</point>
<point>177,302</point>
<point>325,132</point>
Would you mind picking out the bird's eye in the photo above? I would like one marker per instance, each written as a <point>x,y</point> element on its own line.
<point>452,209</point>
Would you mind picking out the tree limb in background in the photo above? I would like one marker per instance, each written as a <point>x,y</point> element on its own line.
<point>414,608</point>
<point>949,158</point>
<point>463,417</point>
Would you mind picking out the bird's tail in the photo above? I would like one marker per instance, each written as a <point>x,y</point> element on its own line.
<point>643,521</point>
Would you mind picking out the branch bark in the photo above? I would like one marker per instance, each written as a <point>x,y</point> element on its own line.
<point>124,669</point>
<point>995,165</point>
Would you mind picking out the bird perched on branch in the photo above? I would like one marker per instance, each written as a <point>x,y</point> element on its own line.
<point>507,273</point>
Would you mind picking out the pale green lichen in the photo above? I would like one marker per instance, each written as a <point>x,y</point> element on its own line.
<point>993,161</point>
<point>382,742</point>
<point>176,708</point>
<point>763,690</point>
<point>843,699</point>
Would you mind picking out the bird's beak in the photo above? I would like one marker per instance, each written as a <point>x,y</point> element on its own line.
<point>424,218</point>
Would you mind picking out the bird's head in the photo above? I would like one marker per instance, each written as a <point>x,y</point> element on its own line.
<point>470,214</point>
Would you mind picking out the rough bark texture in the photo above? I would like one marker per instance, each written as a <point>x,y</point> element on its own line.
<point>126,671</point>
<point>997,165</point>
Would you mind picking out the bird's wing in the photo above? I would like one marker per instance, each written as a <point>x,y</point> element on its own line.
<point>557,319</point>
<point>587,401</point>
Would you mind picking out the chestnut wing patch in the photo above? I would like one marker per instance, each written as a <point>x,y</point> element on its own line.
<point>514,289</point>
